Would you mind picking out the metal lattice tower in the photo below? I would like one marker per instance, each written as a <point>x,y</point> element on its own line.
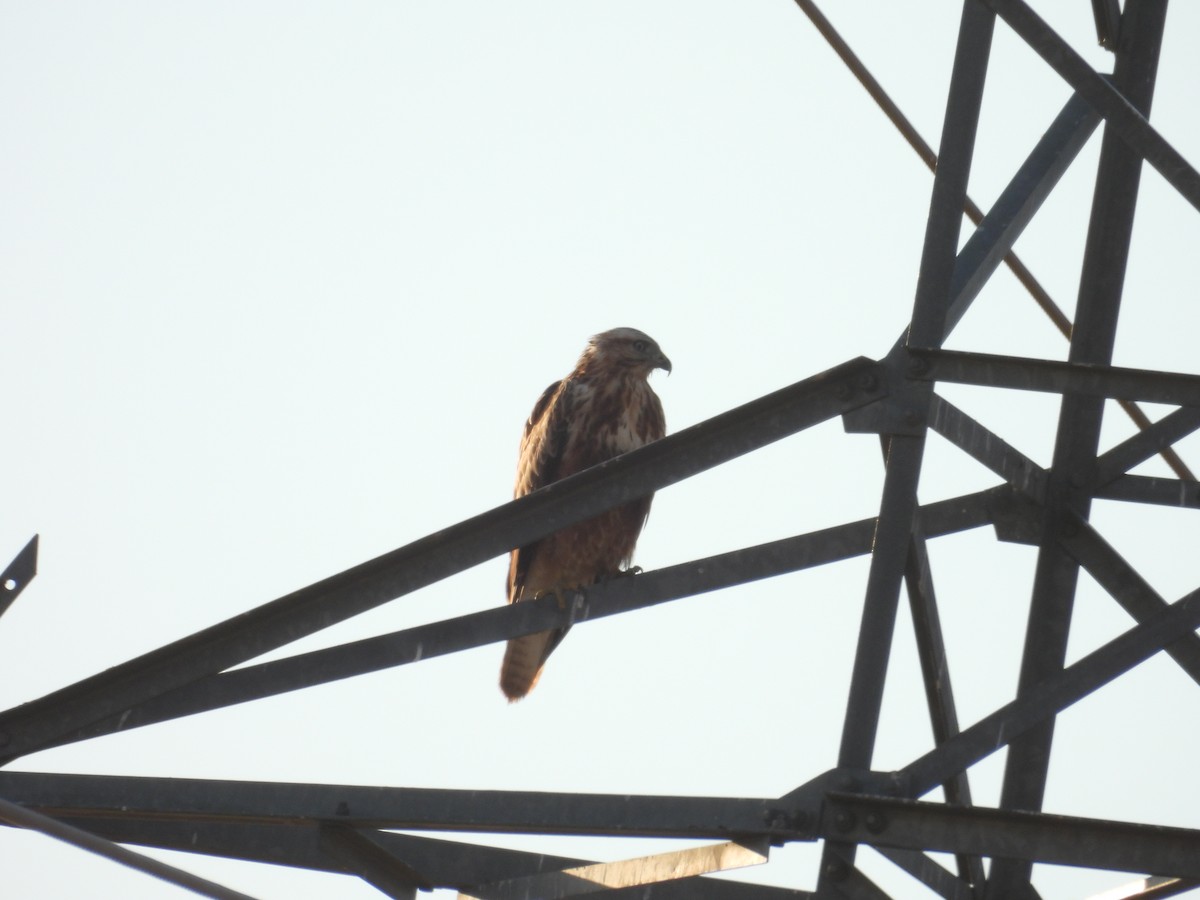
<point>359,831</point>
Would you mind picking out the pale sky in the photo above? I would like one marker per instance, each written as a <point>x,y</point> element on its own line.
<point>281,282</point>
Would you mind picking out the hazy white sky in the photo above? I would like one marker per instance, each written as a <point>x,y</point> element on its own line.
<point>282,280</point>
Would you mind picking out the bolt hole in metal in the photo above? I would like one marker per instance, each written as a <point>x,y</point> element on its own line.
<point>10,584</point>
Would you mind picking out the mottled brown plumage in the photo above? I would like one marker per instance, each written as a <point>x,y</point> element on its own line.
<point>604,408</point>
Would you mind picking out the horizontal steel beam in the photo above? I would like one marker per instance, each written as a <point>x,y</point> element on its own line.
<point>518,812</point>
<point>1027,374</point>
<point>1037,837</point>
<point>37,724</point>
<point>1159,491</point>
<point>505,622</point>
<point>442,863</point>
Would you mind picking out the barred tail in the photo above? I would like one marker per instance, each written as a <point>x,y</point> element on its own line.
<point>523,661</point>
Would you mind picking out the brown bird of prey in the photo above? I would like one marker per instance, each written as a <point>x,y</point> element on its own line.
<point>604,408</point>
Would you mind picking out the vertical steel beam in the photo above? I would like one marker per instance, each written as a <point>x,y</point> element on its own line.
<point>935,672</point>
<point>905,452</point>
<point>1092,340</point>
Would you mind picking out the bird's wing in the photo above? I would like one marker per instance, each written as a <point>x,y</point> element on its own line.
<point>539,462</point>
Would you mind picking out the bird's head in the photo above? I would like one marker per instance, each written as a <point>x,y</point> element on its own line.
<point>628,349</point>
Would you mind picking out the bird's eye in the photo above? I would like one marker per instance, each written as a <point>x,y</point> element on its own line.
<point>639,346</point>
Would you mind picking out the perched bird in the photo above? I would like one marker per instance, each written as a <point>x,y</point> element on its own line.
<point>604,408</point>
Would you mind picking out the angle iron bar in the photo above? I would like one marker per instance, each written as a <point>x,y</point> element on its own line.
<point>935,674</point>
<point>370,861</point>
<point>1046,146</point>
<point>926,153</point>
<point>929,872</point>
<point>905,453</point>
<point>944,224</point>
<point>1108,22</point>
<point>1152,439</point>
<point>505,622</point>
<point>1007,834</point>
<point>423,809</point>
<point>1076,536</point>
<point>877,623</point>
<point>1135,595</point>
<point>34,725</point>
<point>1077,440</point>
<point>988,448</point>
<point>1053,695</point>
<point>1121,115</point>
<point>844,880</point>
<point>1168,454</point>
<point>16,814</point>
<point>1159,491</point>
<point>1024,195</point>
<point>1054,377</point>
<point>18,574</point>
<point>447,864</point>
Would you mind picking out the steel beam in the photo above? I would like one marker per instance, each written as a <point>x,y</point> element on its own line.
<point>519,812</point>
<point>370,861</point>
<point>1053,695</point>
<point>1127,587</point>
<point>1024,195</point>
<point>935,672</point>
<point>445,864</point>
<point>504,622</point>
<point>988,448</point>
<point>1004,834</point>
<point>927,871</point>
<point>1151,440</point>
<point>1108,22</point>
<point>1054,377</point>
<point>38,724</point>
<point>1159,491</point>
<point>1120,109</point>
<point>16,814</point>
<point>18,574</point>
<point>1092,340</point>
<point>904,453</point>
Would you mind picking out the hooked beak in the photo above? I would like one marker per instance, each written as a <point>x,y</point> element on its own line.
<point>663,363</point>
